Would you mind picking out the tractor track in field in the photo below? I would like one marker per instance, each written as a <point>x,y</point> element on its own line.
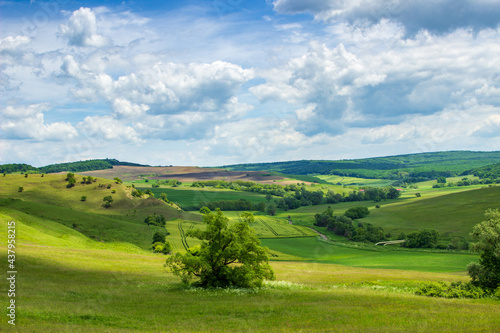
<point>183,236</point>
<point>269,227</point>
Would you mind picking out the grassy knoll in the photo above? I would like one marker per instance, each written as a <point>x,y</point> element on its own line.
<point>48,199</point>
<point>100,290</point>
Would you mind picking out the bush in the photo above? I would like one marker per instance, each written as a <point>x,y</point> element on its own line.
<point>162,247</point>
<point>157,220</point>
<point>450,290</point>
<point>422,239</point>
<point>159,237</point>
<point>83,198</point>
<point>357,212</point>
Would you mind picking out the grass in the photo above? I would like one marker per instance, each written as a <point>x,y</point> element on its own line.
<point>452,215</point>
<point>70,282</point>
<point>189,197</point>
<point>311,249</point>
<point>354,181</point>
<point>124,292</point>
<point>47,199</point>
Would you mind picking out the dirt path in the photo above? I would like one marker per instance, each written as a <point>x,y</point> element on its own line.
<point>316,231</point>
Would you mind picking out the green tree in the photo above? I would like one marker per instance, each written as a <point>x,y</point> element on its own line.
<point>70,178</point>
<point>158,237</point>
<point>486,273</point>
<point>271,209</point>
<point>83,198</point>
<point>269,197</point>
<point>357,212</point>
<point>426,238</point>
<point>20,189</point>
<point>107,201</point>
<point>229,256</point>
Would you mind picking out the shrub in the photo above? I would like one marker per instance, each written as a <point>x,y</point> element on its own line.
<point>83,198</point>
<point>450,290</point>
<point>357,212</point>
<point>162,247</point>
<point>422,239</point>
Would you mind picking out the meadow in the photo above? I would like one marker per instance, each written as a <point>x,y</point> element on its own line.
<point>93,287</point>
<point>86,268</point>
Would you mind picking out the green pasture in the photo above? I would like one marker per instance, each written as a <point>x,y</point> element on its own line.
<point>89,289</point>
<point>354,181</point>
<point>191,197</point>
<point>452,215</point>
<point>312,249</point>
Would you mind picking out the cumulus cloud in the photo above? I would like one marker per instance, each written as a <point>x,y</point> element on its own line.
<point>108,128</point>
<point>166,88</point>
<point>82,30</point>
<point>27,122</point>
<point>437,16</point>
<point>490,128</point>
<point>384,82</point>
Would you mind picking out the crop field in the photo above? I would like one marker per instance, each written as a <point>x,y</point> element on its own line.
<point>312,249</point>
<point>272,227</point>
<point>347,181</point>
<point>189,197</point>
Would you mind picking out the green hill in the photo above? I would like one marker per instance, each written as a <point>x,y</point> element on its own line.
<point>452,215</point>
<point>48,198</point>
<point>80,166</point>
<point>414,167</point>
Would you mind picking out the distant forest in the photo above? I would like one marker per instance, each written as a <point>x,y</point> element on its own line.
<point>408,168</point>
<point>80,166</point>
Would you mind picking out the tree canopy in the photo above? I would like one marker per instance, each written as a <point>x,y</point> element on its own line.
<point>486,273</point>
<point>229,256</point>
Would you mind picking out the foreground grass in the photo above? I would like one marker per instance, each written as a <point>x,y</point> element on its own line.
<point>85,290</point>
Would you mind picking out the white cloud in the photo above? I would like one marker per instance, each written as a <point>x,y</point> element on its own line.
<point>439,16</point>
<point>490,128</point>
<point>27,122</point>
<point>10,45</point>
<point>82,30</point>
<point>108,128</point>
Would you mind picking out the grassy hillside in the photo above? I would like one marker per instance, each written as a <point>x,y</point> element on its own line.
<point>453,215</point>
<point>91,288</point>
<point>48,198</point>
<point>424,165</point>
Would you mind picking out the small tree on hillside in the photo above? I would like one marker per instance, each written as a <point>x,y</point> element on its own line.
<point>228,256</point>
<point>107,201</point>
<point>486,273</point>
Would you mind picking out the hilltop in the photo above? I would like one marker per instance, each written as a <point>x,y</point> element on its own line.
<point>413,167</point>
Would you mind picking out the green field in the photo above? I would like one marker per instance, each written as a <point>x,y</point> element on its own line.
<point>80,285</point>
<point>453,215</point>
<point>85,268</point>
<point>191,197</point>
<point>312,249</point>
<point>354,181</point>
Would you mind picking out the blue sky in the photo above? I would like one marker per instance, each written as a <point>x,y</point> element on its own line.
<point>234,81</point>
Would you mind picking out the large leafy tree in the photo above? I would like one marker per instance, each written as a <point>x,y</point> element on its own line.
<point>229,256</point>
<point>486,273</point>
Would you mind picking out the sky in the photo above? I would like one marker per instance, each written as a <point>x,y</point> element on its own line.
<point>220,82</point>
